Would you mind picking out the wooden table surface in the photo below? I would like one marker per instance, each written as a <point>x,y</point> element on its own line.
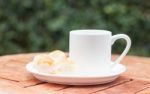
<point>14,79</point>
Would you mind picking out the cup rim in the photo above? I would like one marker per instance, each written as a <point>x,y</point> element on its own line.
<point>90,32</point>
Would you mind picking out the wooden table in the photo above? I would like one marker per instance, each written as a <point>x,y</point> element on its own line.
<point>14,79</point>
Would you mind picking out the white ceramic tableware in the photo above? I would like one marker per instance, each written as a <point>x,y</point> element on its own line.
<point>91,49</point>
<point>77,77</point>
<point>91,52</point>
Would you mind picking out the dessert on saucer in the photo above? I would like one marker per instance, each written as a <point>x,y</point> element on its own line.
<point>55,62</point>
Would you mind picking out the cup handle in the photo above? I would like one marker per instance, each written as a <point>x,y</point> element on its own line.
<point>128,45</point>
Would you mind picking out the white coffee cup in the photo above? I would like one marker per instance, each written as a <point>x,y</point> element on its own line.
<point>91,49</point>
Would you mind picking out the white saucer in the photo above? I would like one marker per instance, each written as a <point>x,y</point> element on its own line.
<point>78,77</point>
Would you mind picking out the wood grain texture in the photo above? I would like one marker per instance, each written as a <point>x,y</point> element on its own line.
<point>92,89</point>
<point>144,91</point>
<point>127,88</point>
<point>14,79</point>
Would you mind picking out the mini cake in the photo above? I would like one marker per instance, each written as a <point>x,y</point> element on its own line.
<point>53,63</point>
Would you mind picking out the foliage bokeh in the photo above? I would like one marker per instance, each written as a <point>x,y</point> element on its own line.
<point>44,25</point>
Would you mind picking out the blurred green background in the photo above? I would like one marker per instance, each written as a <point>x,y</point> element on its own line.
<point>44,25</point>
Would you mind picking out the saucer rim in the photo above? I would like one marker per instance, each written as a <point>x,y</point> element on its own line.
<point>30,64</point>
